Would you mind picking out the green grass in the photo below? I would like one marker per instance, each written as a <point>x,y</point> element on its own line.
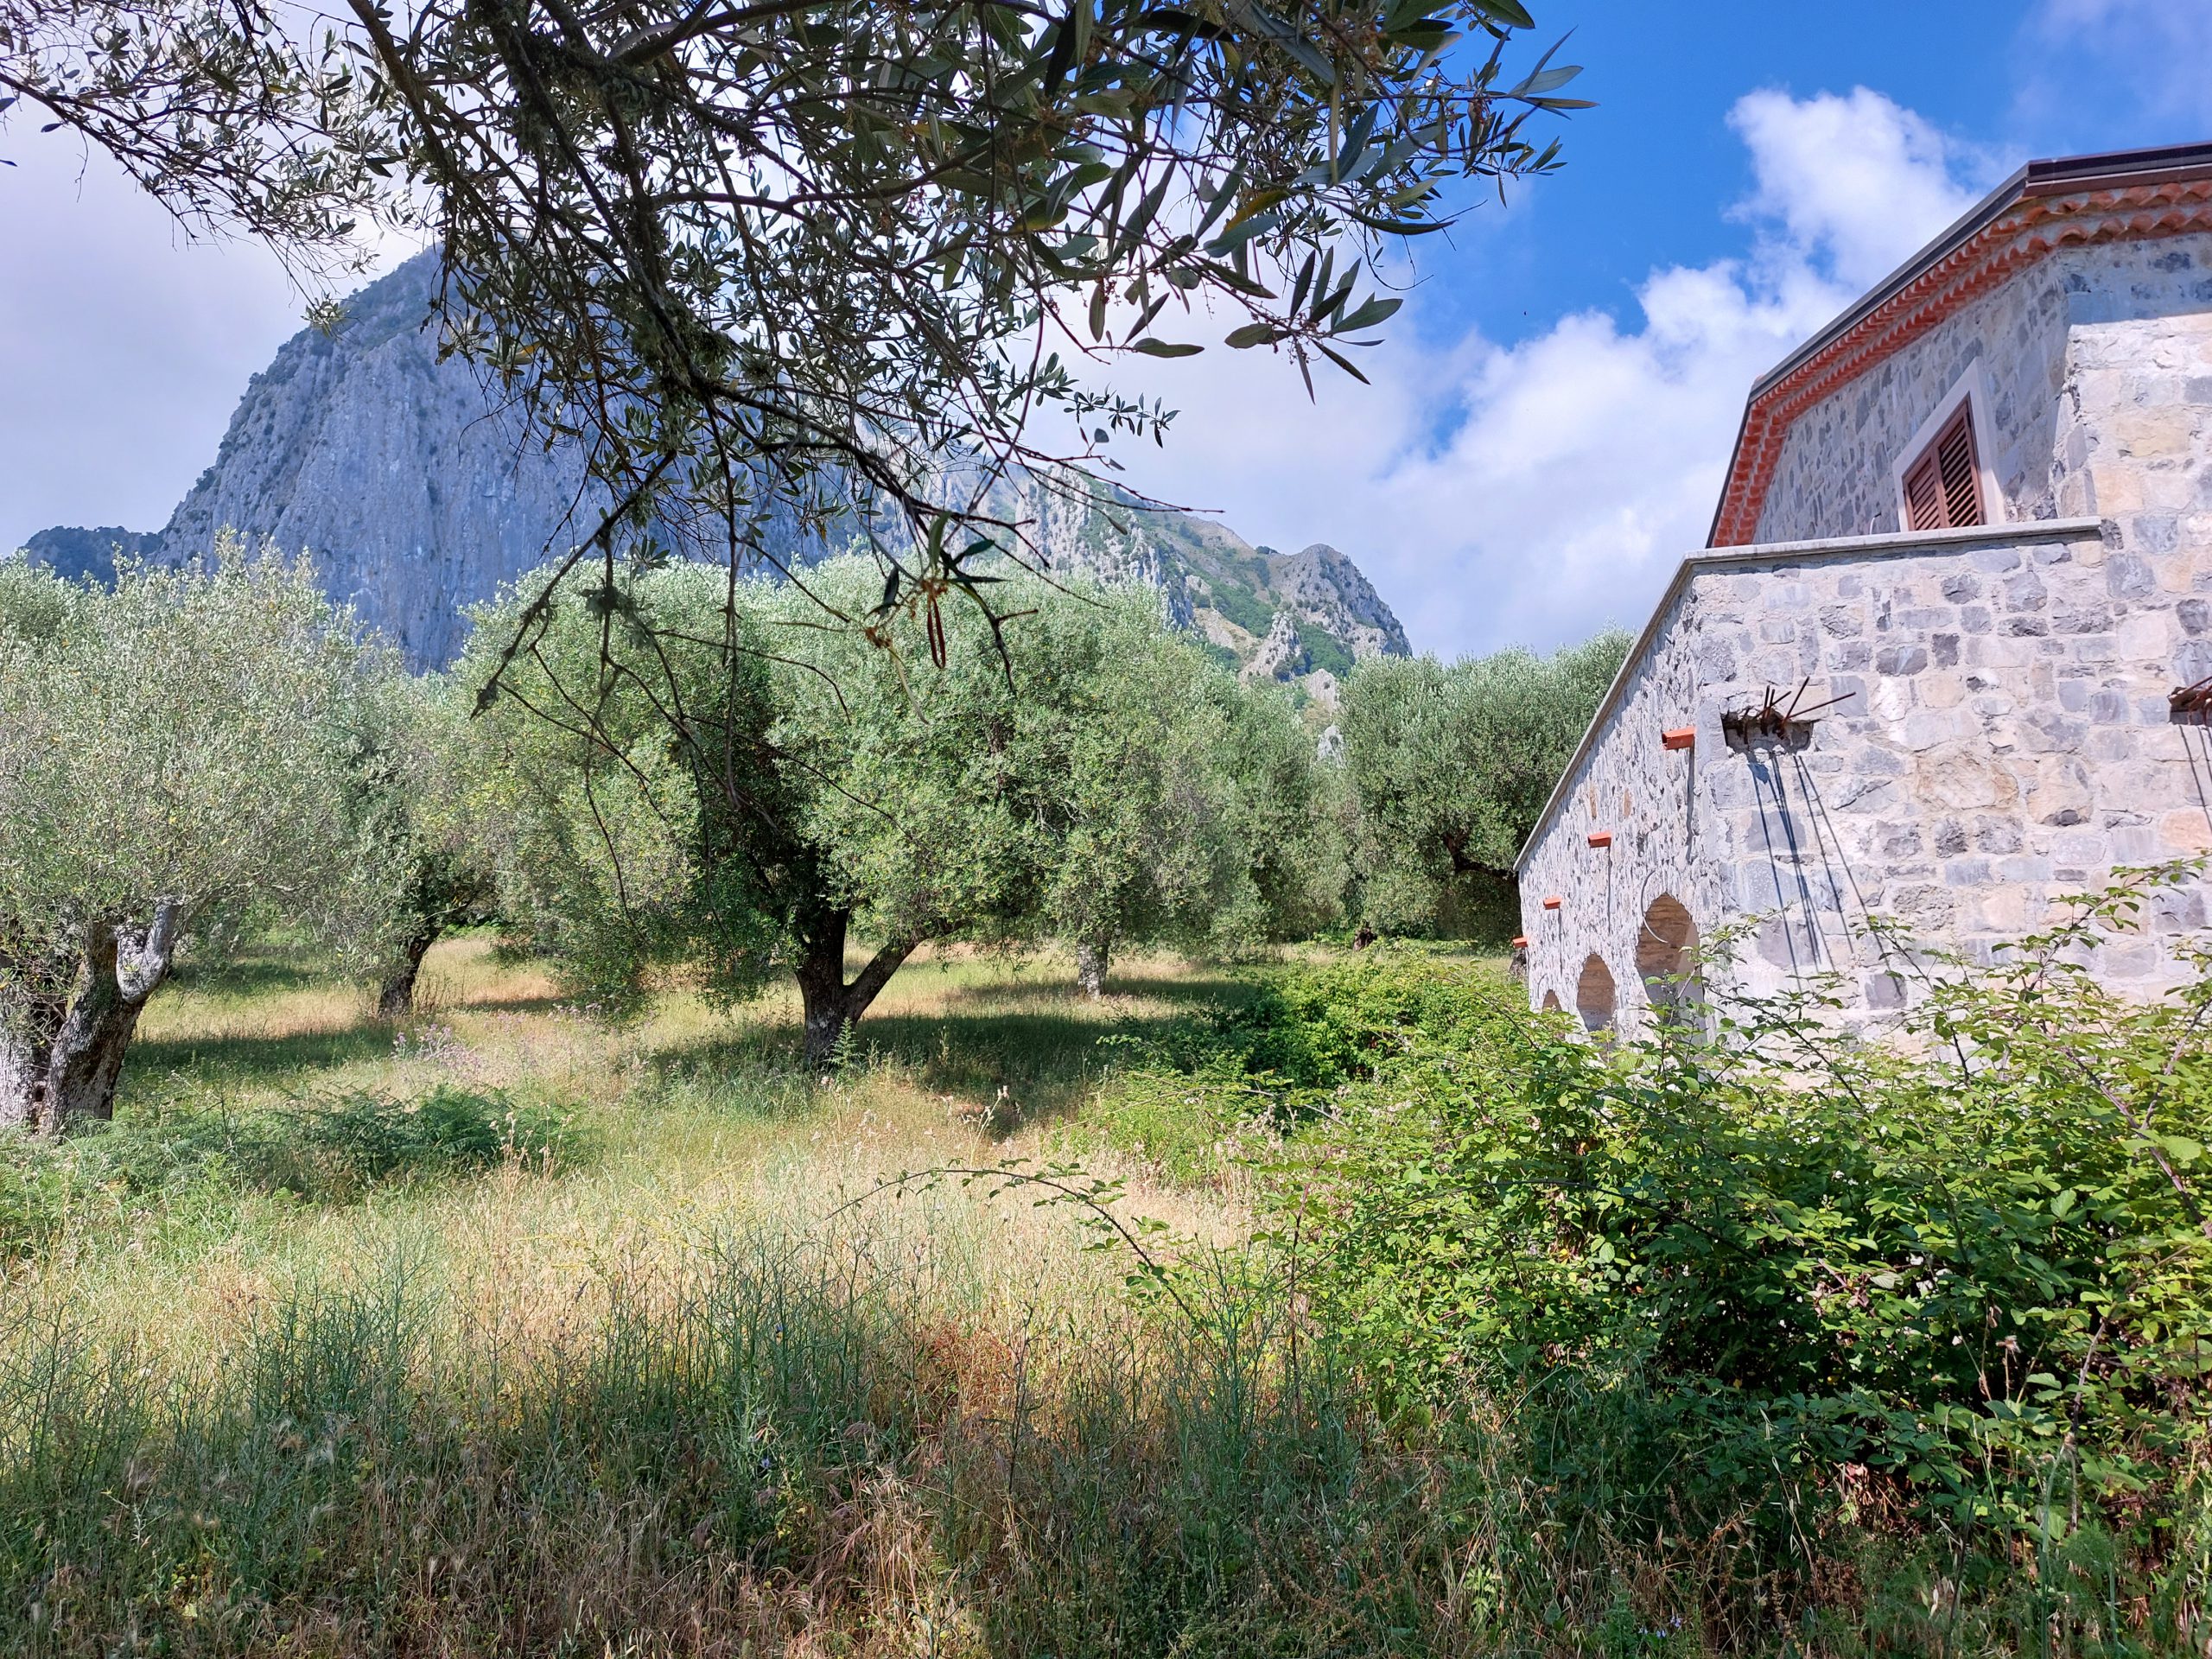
<point>504,1331</point>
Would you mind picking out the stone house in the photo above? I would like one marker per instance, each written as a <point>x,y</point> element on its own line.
<point>1948,653</point>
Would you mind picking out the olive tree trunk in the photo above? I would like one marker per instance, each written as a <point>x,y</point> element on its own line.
<point>119,969</point>
<point>1090,960</point>
<point>829,1003</point>
<point>37,982</point>
<point>29,1018</point>
<point>22,1075</point>
<point>396,996</point>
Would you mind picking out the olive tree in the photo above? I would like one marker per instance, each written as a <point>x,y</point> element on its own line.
<point>691,774</point>
<point>824,265</point>
<point>178,756</point>
<point>825,786</point>
<point>419,772</point>
<point>1184,809</point>
<point>1449,765</point>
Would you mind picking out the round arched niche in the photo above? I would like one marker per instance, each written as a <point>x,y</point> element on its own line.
<point>1666,955</point>
<point>1596,998</point>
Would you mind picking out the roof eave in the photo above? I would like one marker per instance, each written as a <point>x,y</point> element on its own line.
<point>2067,175</point>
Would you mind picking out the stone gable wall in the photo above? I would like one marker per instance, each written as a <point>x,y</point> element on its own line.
<point>2079,340</point>
<point>2134,433</point>
<point>2002,737</point>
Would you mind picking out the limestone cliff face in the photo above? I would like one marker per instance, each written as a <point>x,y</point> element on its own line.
<point>1323,587</point>
<point>418,497</point>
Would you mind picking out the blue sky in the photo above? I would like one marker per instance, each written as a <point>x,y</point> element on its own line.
<point>1549,423</point>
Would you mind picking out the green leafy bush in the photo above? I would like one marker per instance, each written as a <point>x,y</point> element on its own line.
<point>330,1148</point>
<point>1209,1091</point>
<point>1971,1265</point>
<point>1766,1275</point>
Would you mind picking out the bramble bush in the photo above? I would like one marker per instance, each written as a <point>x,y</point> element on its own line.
<point>1764,1274</point>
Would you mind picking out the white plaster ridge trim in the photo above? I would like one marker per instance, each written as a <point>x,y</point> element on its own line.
<point>2025,532</point>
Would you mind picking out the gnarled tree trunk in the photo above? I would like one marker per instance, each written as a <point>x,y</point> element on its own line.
<point>22,1076</point>
<point>396,996</point>
<point>119,969</point>
<point>1090,959</point>
<point>829,1003</point>
<point>38,997</point>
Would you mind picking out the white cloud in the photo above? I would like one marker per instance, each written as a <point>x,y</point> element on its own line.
<point>125,343</point>
<point>1855,181</point>
<point>1529,493</point>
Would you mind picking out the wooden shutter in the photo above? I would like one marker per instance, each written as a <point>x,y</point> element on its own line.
<point>1942,489</point>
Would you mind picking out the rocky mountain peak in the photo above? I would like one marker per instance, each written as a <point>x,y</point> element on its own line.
<point>419,497</point>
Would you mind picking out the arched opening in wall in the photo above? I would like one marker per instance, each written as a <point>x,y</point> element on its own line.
<point>1595,996</point>
<point>1666,957</point>
<point>1551,1001</point>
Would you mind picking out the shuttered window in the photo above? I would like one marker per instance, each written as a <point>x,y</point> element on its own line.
<point>1942,489</point>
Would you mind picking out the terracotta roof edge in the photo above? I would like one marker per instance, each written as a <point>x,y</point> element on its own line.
<point>2061,175</point>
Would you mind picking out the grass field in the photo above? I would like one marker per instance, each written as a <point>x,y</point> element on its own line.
<point>503,1329</point>
<point>665,1378</point>
<point>689,1125</point>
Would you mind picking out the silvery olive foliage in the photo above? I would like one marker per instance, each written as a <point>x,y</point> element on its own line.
<point>1451,763</point>
<point>777,261</point>
<point>834,262</point>
<point>417,774</point>
<point>1187,810</point>
<point>236,115</point>
<point>896,786</point>
<point>180,757</point>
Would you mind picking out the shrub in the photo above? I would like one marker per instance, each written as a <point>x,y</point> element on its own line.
<point>1970,1264</point>
<point>330,1148</point>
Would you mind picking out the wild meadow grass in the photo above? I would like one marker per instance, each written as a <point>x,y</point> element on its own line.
<point>504,1330</point>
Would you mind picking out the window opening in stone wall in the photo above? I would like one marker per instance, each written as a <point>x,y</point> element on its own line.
<point>1666,957</point>
<point>1595,996</point>
<point>1942,489</point>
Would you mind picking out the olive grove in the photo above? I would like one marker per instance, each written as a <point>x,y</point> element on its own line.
<point>1450,765</point>
<point>700,772</point>
<point>179,757</point>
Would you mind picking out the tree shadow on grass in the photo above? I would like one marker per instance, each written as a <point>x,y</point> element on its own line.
<point>1039,1044</point>
<point>256,1062</point>
<point>1183,990</point>
<point>255,972</point>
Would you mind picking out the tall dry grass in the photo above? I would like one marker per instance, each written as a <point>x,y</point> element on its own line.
<point>700,1374</point>
<point>722,1384</point>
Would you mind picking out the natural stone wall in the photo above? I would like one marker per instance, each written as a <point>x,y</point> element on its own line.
<point>2000,738</point>
<point>2068,344</point>
<point>2134,436</point>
